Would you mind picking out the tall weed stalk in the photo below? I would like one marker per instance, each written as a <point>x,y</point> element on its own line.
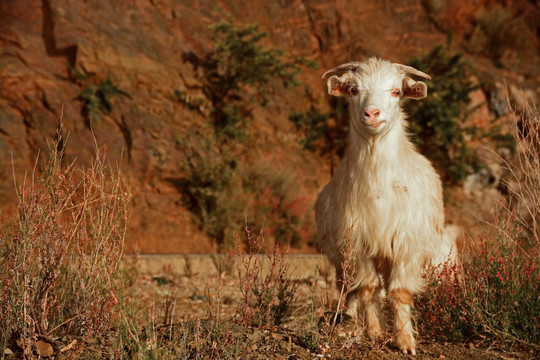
<point>60,254</point>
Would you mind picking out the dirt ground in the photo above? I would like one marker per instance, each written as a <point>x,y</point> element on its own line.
<point>197,318</point>
<point>193,313</point>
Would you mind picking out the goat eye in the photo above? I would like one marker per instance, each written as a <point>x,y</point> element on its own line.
<point>354,90</point>
<point>396,92</point>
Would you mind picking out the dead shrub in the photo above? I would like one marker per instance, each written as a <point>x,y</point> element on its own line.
<point>60,271</point>
<point>267,293</point>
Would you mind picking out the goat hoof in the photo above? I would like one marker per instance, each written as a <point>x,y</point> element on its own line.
<point>406,343</point>
<point>411,351</point>
<point>375,334</point>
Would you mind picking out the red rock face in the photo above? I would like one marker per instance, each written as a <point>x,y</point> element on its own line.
<point>141,45</point>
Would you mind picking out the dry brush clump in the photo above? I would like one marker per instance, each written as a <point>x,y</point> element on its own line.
<point>263,280</point>
<point>60,270</point>
<point>497,299</point>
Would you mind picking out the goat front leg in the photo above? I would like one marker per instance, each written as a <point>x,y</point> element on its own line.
<point>364,297</point>
<point>402,301</point>
<point>369,296</point>
<point>370,301</point>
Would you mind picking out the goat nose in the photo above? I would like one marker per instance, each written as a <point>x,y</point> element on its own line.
<point>372,113</point>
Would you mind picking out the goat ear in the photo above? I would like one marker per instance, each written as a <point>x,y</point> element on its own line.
<point>338,86</point>
<point>414,89</point>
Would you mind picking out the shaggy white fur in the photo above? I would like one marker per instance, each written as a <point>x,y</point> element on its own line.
<point>385,196</point>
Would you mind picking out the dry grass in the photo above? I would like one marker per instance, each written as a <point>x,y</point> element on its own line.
<point>60,271</point>
<point>266,290</point>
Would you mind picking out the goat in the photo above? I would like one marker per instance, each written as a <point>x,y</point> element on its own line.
<point>385,195</point>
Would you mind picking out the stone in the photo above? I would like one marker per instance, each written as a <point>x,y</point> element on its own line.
<point>43,348</point>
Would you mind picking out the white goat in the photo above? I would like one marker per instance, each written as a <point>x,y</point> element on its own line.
<point>385,197</point>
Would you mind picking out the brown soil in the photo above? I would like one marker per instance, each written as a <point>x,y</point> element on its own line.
<point>194,333</point>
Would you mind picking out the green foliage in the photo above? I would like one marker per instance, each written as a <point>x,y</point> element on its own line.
<point>99,99</point>
<point>239,61</point>
<point>436,123</point>
<point>212,184</point>
<point>222,193</point>
<point>96,99</point>
<point>313,124</point>
<point>324,133</point>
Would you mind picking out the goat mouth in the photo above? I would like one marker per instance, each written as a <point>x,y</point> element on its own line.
<point>376,125</point>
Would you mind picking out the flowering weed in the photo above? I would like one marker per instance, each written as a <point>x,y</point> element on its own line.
<point>498,299</point>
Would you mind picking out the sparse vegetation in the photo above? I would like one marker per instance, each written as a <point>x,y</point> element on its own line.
<point>49,287</point>
<point>65,293</point>
<point>497,301</point>
<point>96,99</point>
<point>264,282</point>
<point>437,123</point>
<point>498,30</point>
<point>99,99</point>
<point>324,133</point>
<point>502,31</point>
<point>212,184</point>
<point>60,270</point>
<point>236,74</point>
<point>222,193</point>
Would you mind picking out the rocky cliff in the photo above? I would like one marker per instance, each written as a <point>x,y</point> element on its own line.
<point>52,49</point>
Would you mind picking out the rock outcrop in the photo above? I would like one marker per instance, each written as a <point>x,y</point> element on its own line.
<point>46,45</point>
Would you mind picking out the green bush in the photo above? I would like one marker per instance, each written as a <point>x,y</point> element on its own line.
<point>313,124</point>
<point>324,133</point>
<point>99,99</point>
<point>220,192</point>
<point>223,194</point>
<point>239,61</point>
<point>212,184</point>
<point>436,123</point>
